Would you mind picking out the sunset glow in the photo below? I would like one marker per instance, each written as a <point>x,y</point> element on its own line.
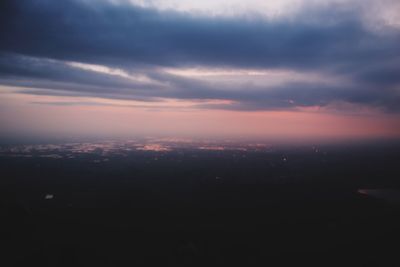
<point>270,70</point>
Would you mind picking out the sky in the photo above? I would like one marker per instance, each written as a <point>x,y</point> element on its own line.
<point>276,70</point>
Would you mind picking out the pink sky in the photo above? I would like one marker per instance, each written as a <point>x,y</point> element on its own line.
<point>21,116</point>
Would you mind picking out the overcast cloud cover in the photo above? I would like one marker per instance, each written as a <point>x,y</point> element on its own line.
<point>312,55</point>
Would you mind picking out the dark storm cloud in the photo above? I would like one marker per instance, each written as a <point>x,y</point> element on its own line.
<point>125,34</point>
<point>387,74</point>
<point>141,40</point>
<point>63,80</point>
<point>49,77</point>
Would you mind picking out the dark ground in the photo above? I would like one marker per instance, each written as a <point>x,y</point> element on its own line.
<point>202,208</point>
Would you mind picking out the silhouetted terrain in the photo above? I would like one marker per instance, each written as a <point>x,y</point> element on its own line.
<point>185,206</point>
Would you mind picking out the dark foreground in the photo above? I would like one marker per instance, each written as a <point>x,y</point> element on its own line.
<point>191,207</point>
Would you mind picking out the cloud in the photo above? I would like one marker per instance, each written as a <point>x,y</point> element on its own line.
<point>128,35</point>
<point>123,51</point>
